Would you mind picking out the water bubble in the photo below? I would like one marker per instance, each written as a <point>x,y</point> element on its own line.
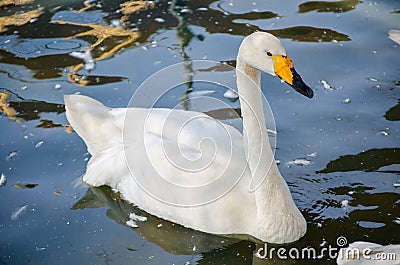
<point>230,94</point>
<point>314,154</point>
<point>39,144</point>
<point>87,57</point>
<point>159,20</point>
<point>186,10</point>
<point>115,23</point>
<point>385,132</point>
<point>18,213</point>
<point>131,223</point>
<point>299,162</point>
<point>11,155</point>
<point>3,179</point>
<point>346,101</point>
<point>326,85</point>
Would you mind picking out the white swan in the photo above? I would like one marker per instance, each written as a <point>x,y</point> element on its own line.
<point>150,139</point>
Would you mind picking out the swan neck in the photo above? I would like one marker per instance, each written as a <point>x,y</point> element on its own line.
<point>255,136</point>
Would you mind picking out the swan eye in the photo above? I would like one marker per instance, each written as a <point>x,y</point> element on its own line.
<point>269,53</point>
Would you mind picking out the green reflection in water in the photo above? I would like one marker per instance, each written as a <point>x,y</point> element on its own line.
<point>310,34</point>
<point>26,109</point>
<point>374,209</point>
<point>173,238</point>
<point>393,114</point>
<point>323,6</point>
<point>370,160</point>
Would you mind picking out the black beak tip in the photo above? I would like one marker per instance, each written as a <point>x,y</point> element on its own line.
<point>300,86</point>
<point>309,92</point>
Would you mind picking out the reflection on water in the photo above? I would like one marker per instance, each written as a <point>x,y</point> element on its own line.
<point>134,22</point>
<point>131,7</point>
<point>393,114</point>
<point>19,19</point>
<point>184,36</point>
<point>173,238</point>
<point>370,160</point>
<point>20,109</point>
<point>310,34</point>
<point>93,80</point>
<point>324,6</point>
<point>366,210</point>
<point>17,108</point>
<point>15,2</point>
<point>54,65</point>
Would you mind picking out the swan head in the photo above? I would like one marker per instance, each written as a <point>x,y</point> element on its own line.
<point>266,53</point>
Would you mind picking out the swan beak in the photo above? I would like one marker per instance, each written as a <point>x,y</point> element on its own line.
<point>284,69</point>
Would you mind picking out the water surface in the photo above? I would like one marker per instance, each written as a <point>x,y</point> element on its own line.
<point>349,132</point>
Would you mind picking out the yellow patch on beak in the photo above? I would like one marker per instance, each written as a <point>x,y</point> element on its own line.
<point>283,68</point>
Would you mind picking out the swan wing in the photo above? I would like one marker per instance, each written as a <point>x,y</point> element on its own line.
<point>164,160</point>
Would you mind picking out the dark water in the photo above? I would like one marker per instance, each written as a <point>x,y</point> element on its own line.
<point>348,134</point>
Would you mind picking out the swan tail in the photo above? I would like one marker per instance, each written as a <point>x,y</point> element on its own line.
<point>106,168</point>
<point>94,122</point>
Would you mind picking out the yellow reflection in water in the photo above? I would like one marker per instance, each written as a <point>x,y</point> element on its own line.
<point>130,7</point>
<point>87,4</point>
<point>101,33</point>
<point>5,107</point>
<point>15,2</point>
<point>19,19</point>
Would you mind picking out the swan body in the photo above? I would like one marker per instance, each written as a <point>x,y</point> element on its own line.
<point>139,152</point>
